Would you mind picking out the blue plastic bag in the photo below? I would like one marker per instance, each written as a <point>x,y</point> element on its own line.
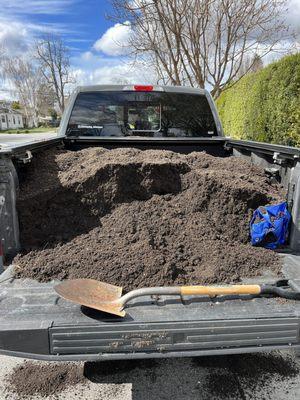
<point>269,226</point>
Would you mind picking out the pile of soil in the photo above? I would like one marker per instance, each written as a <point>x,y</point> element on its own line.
<point>30,378</point>
<point>142,218</point>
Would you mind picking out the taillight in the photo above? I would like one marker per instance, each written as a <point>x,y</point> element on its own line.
<point>143,88</point>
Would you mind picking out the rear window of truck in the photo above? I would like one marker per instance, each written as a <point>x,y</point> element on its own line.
<point>152,114</point>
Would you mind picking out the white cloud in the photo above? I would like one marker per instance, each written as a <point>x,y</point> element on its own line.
<point>115,41</point>
<point>87,56</point>
<point>29,7</point>
<point>105,62</point>
<point>113,71</point>
<point>293,16</point>
<point>93,68</point>
<point>16,36</point>
<point>17,29</point>
<point>7,91</point>
<point>13,38</point>
<point>17,32</point>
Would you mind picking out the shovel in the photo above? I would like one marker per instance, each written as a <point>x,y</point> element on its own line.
<point>108,298</point>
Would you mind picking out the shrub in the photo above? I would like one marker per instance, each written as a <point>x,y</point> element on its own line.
<point>265,105</point>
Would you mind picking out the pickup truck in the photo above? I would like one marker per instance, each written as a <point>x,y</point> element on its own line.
<point>36,323</point>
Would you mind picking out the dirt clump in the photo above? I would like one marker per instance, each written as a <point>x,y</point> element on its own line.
<point>142,218</point>
<point>30,378</point>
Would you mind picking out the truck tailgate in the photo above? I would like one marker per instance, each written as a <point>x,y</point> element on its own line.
<point>36,323</point>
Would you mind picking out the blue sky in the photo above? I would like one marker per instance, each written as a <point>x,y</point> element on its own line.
<point>94,41</point>
<point>81,21</point>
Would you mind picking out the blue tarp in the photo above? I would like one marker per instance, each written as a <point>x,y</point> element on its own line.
<point>269,226</point>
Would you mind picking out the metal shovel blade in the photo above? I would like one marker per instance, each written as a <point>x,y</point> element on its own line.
<point>91,293</point>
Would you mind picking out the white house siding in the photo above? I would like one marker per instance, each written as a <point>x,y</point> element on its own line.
<point>3,122</point>
<point>11,120</point>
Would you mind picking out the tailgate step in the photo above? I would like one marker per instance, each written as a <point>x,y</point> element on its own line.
<point>172,337</point>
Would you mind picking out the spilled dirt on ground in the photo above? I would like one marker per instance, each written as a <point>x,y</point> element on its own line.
<point>244,376</point>
<point>30,378</point>
<point>142,218</point>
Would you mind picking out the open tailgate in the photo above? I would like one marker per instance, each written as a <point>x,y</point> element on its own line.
<point>36,323</point>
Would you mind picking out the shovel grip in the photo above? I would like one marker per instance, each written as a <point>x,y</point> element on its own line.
<point>220,290</point>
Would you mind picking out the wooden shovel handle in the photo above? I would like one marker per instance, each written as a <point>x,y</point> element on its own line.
<point>220,290</point>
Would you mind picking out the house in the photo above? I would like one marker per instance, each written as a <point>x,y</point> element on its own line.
<point>10,118</point>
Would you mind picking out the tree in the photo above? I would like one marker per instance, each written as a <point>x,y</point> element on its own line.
<point>53,58</point>
<point>2,53</point>
<point>46,98</point>
<point>200,42</point>
<point>2,57</point>
<point>53,114</point>
<point>250,64</point>
<point>257,63</point>
<point>15,105</point>
<point>26,79</point>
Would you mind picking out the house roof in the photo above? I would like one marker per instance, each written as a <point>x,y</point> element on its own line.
<point>9,110</point>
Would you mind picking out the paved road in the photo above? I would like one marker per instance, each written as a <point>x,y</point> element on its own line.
<point>11,139</point>
<point>231,377</point>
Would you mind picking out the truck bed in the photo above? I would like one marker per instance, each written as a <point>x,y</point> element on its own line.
<point>36,323</point>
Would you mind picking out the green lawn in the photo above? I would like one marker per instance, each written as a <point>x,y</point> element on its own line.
<point>32,130</point>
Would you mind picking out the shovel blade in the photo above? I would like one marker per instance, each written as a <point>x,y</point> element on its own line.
<point>91,293</point>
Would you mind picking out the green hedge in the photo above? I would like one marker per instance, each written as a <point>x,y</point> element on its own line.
<point>265,105</point>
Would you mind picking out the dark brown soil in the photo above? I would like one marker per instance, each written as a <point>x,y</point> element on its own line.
<point>140,218</point>
<point>29,379</point>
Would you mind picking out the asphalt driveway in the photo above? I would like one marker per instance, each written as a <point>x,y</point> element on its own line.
<point>224,377</point>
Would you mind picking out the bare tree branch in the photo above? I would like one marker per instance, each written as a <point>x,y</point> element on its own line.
<point>27,80</point>
<point>53,58</point>
<point>198,42</point>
